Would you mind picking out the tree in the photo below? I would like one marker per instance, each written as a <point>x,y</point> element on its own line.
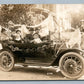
<point>16,13</point>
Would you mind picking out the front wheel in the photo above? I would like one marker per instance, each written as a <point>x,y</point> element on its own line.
<point>6,60</point>
<point>72,65</point>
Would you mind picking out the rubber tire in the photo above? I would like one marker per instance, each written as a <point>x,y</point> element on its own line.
<point>12,58</point>
<point>64,72</point>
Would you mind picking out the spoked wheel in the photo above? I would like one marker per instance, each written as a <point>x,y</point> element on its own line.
<point>72,65</point>
<point>6,60</point>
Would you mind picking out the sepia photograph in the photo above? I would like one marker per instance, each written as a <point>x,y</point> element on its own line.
<point>41,42</point>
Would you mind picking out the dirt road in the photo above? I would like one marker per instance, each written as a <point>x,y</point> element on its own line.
<point>32,73</point>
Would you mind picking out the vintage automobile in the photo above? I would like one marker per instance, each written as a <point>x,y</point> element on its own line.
<point>47,52</point>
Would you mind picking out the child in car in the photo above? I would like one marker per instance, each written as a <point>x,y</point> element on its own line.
<point>17,36</point>
<point>36,39</point>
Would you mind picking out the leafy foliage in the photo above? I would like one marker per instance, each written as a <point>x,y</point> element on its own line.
<point>14,13</point>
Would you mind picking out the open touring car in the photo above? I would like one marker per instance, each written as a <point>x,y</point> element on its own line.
<point>33,45</point>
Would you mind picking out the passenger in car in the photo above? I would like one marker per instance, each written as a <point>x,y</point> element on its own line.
<point>36,39</point>
<point>17,36</point>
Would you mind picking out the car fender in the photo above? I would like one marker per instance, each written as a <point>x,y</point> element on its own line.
<point>62,52</point>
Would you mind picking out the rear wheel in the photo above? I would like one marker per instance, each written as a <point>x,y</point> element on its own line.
<point>72,65</point>
<point>6,60</point>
